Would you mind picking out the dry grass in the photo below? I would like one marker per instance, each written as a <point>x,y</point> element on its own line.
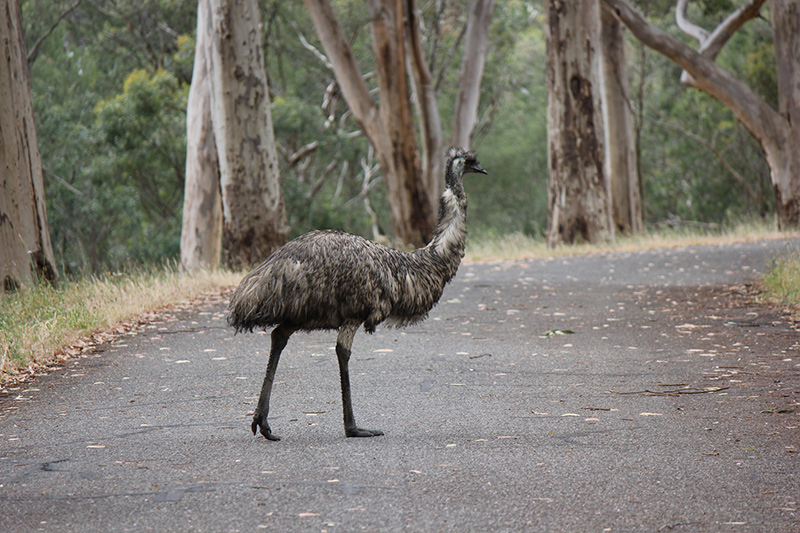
<point>37,323</point>
<point>516,246</point>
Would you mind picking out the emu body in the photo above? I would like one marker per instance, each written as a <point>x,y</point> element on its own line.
<point>335,280</point>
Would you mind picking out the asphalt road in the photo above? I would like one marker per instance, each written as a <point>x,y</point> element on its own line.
<point>672,407</point>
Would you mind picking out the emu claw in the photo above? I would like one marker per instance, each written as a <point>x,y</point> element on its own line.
<point>257,425</point>
<point>358,432</point>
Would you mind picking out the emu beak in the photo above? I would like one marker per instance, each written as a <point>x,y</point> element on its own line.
<point>477,168</point>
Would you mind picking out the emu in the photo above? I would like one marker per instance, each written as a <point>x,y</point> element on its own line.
<point>330,279</point>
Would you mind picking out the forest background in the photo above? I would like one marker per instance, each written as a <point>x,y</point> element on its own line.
<point>110,81</point>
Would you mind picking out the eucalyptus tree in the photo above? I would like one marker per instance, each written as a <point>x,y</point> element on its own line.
<point>579,194</point>
<point>237,96</point>
<point>201,231</point>
<point>775,129</point>
<point>411,163</point>
<point>25,249</point>
<point>620,156</point>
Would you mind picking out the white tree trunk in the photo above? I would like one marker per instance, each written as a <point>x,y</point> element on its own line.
<point>620,150</point>
<point>201,232</point>
<point>579,194</point>
<point>253,209</point>
<point>25,248</point>
<point>776,131</point>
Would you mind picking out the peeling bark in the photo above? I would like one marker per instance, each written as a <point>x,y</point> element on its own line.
<point>252,203</point>
<point>579,195</point>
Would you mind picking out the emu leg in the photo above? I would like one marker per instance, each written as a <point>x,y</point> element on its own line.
<point>343,344</point>
<point>280,336</point>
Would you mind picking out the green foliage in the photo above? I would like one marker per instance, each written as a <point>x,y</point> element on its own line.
<point>110,89</point>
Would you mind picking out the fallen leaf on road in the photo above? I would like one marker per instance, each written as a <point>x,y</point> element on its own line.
<point>554,332</point>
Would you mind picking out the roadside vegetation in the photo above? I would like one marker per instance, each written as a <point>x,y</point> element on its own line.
<point>781,282</point>
<point>41,325</point>
<point>38,325</point>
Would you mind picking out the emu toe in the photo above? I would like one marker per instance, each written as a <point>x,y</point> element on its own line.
<point>262,426</point>
<point>358,432</point>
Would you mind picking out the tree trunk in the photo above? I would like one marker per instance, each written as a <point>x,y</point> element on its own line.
<point>253,210</point>
<point>786,169</point>
<point>579,195</point>
<point>201,232</point>
<point>465,117</point>
<point>620,150</point>
<point>776,131</point>
<point>25,249</point>
<point>430,122</point>
<point>397,149</point>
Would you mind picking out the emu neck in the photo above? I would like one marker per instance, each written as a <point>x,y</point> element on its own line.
<point>449,237</point>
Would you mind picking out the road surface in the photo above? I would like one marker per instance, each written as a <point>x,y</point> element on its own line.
<point>673,406</point>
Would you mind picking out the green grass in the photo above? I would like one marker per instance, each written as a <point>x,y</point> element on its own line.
<point>781,282</point>
<point>37,323</point>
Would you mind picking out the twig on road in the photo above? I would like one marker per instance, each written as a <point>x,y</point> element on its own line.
<point>676,392</point>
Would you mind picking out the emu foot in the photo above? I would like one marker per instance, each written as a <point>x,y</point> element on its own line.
<point>358,432</point>
<point>260,424</point>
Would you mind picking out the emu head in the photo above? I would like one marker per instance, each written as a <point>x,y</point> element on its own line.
<point>461,161</point>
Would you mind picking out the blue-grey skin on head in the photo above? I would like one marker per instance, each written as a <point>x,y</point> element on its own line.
<point>330,279</point>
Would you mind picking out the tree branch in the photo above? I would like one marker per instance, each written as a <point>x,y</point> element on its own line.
<point>687,26</point>
<point>311,48</point>
<point>747,106</point>
<point>337,49</point>
<point>34,51</point>
<point>713,149</point>
<point>429,120</point>
<point>711,44</point>
<point>465,117</point>
<point>294,158</point>
<point>722,33</point>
